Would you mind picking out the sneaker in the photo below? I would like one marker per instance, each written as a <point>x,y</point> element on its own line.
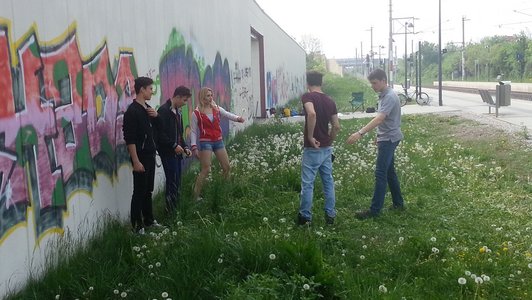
<point>365,214</point>
<point>397,207</point>
<point>155,225</point>
<point>329,220</point>
<point>139,231</point>
<point>302,220</point>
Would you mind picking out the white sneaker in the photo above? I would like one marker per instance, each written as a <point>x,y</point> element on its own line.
<point>141,231</point>
<point>156,225</point>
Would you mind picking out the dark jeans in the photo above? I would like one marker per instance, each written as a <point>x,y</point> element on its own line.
<point>385,176</point>
<point>141,201</point>
<point>172,172</point>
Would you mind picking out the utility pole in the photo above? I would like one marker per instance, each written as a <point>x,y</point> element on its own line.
<point>440,101</point>
<point>390,51</point>
<point>463,46</point>
<point>371,56</point>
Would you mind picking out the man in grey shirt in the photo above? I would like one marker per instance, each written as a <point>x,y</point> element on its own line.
<point>388,123</point>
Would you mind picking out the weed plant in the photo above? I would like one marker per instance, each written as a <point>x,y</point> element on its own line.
<point>466,232</point>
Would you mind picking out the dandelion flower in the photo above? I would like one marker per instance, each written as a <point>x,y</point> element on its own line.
<point>235,234</point>
<point>220,260</point>
<point>467,273</point>
<point>364,247</point>
<point>362,257</point>
<point>479,280</point>
<point>306,286</point>
<point>57,297</point>
<point>282,220</point>
<point>383,289</point>
<point>179,223</point>
<point>272,256</point>
<point>116,292</point>
<point>462,281</point>
<point>530,265</point>
<point>174,233</point>
<point>485,277</point>
<point>150,267</point>
<point>158,264</point>
<point>164,295</point>
<point>401,239</point>
<point>265,220</point>
<point>123,295</point>
<point>435,250</point>
<point>433,239</point>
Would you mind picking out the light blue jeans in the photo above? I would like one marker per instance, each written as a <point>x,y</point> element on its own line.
<point>315,160</point>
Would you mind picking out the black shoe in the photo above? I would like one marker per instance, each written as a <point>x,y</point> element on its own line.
<point>302,220</point>
<point>397,207</point>
<point>365,214</point>
<point>329,220</point>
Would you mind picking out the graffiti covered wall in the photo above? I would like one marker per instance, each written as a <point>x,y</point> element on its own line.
<point>66,80</point>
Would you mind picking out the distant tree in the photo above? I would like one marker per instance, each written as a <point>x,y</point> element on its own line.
<point>316,60</point>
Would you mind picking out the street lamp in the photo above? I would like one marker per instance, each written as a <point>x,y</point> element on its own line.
<point>407,25</point>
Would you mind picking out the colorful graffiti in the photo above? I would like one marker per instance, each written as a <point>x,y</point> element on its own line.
<point>61,120</point>
<point>179,66</point>
<point>282,87</point>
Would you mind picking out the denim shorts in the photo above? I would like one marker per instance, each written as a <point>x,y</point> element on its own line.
<point>211,146</point>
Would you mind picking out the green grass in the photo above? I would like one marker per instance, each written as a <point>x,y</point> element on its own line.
<point>469,210</point>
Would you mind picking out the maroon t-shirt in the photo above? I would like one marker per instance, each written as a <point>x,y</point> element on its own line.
<point>325,108</point>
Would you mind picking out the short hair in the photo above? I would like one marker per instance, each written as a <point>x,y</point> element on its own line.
<point>182,91</point>
<point>142,82</point>
<point>314,78</point>
<point>377,74</point>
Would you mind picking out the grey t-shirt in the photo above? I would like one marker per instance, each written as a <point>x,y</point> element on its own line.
<point>390,128</point>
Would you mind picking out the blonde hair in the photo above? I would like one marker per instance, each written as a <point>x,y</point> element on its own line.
<point>202,95</point>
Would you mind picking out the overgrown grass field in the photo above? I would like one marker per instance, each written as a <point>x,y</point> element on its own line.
<point>466,232</point>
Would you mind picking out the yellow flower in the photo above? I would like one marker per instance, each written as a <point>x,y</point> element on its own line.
<point>504,249</point>
<point>482,250</point>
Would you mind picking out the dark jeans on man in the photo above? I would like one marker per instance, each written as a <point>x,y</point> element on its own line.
<point>172,171</point>
<point>385,176</point>
<point>141,201</point>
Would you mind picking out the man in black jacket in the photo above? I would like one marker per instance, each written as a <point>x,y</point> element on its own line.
<point>171,145</point>
<point>139,119</point>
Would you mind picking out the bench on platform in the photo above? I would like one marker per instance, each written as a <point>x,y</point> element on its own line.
<point>486,97</point>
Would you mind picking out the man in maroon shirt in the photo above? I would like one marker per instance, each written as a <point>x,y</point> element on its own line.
<point>320,111</point>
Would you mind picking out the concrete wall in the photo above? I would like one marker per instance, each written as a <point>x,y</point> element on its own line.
<point>66,78</point>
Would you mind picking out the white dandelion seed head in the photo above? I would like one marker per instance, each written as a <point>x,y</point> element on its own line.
<point>265,220</point>
<point>467,273</point>
<point>91,288</point>
<point>152,274</point>
<point>272,256</point>
<point>220,260</point>
<point>462,281</point>
<point>435,250</point>
<point>473,276</point>
<point>530,265</point>
<point>123,294</point>
<point>164,294</point>
<point>235,234</point>
<point>179,223</point>
<point>485,277</point>
<point>433,239</point>
<point>116,292</point>
<point>158,264</point>
<point>150,267</point>
<point>274,231</point>
<point>383,289</point>
<point>306,286</point>
<point>57,297</point>
<point>282,220</point>
<point>364,247</point>
<point>362,257</point>
<point>479,280</point>
<point>401,239</point>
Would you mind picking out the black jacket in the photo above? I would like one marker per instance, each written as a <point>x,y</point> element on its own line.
<point>169,131</point>
<point>138,129</point>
